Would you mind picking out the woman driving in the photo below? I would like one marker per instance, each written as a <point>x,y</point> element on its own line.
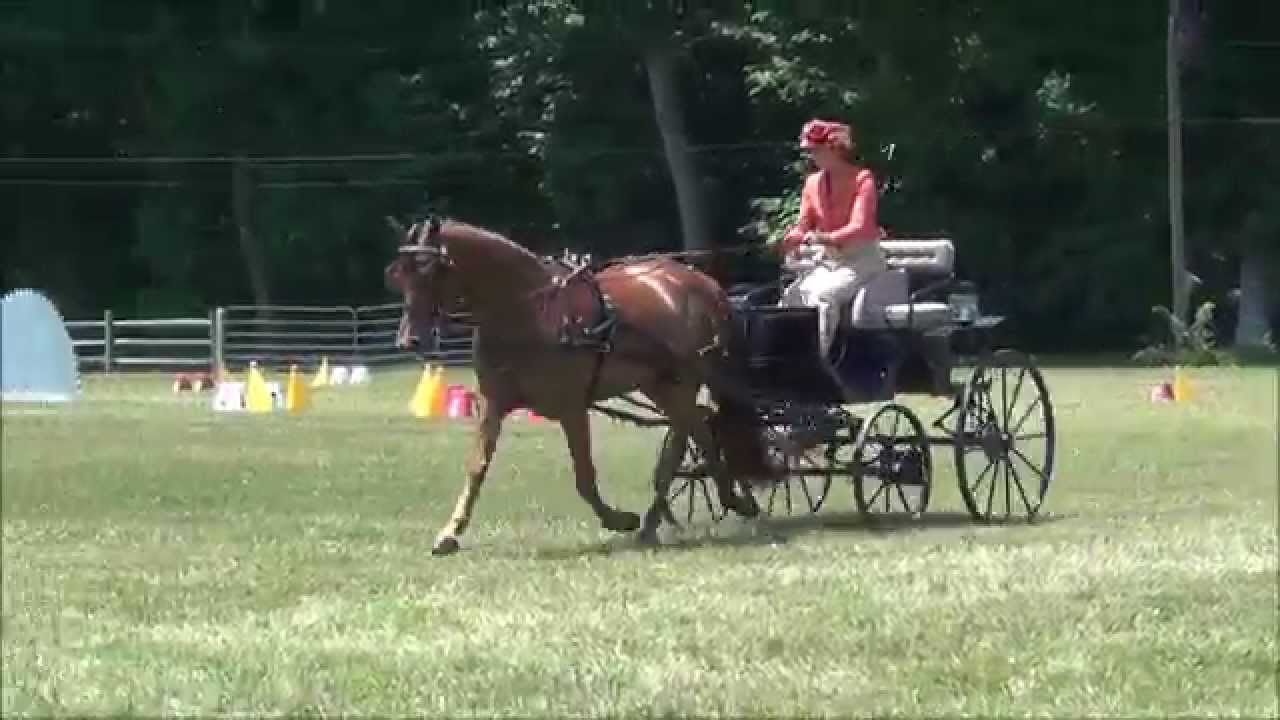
<point>837,224</point>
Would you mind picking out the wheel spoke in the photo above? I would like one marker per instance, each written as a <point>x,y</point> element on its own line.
<point>684,486</point>
<point>1021,491</point>
<point>991,492</point>
<point>906,504</point>
<point>1008,499</point>
<point>1004,395</point>
<point>987,403</point>
<point>1013,402</point>
<point>1026,415</point>
<point>808,496</point>
<point>706,495</point>
<point>1044,480</point>
<point>977,483</point>
<point>874,496</point>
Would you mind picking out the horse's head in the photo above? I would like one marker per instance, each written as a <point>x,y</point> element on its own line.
<point>421,273</point>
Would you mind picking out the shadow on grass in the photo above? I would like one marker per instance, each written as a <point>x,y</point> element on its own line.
<point>1247,359</point>
<point>775,531</point>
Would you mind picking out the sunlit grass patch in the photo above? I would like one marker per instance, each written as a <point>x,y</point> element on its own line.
<point>159,558</point>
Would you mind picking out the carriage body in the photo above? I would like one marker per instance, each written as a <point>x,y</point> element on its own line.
<point>895,337</point>
<point>904,333</point>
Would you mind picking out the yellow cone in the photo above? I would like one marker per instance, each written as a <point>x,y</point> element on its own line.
<point>423,400</point>
<point>257,396</point>
<point>439,397</point>
<point>297,395</point>
<point>1182,391</point>
<point>322,375</point>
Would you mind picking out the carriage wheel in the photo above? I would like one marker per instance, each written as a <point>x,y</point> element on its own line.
<point>894,467</point>
<point>1004,437</point>
<point>807,479</point>
<point>692,492</point>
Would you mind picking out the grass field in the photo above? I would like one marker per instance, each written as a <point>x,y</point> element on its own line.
<point>161,559</point>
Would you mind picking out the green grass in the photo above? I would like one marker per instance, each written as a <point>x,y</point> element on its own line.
<point>162,559</point>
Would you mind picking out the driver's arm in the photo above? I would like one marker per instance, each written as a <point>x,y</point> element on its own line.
<point>808,218</point>
<point>863,225</point>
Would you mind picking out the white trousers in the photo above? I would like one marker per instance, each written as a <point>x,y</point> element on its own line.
<point>830,285</point>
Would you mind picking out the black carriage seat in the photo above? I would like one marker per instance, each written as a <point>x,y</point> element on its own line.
<point>885,302</point>
<point>780,356</point>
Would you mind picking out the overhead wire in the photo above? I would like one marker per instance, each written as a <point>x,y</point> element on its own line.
<point>298,161</point>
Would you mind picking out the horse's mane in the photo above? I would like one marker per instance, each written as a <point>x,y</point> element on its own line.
<point>457,230</point>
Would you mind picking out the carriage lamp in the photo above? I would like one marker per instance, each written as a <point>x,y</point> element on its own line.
<point>963,300</point>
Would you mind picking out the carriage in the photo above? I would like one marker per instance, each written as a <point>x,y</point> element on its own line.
<point>905,333</point>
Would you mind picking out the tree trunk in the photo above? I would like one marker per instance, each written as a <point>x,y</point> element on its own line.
<point>1177,237</point>
<point>250,249</point>
<point>669,112</point>
<point>1251,322</point>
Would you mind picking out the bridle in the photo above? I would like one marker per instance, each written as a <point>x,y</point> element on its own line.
<point>430,261</point>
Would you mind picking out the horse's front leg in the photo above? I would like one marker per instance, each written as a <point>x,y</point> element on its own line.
<point>577,433</point>
<point>484,444</point>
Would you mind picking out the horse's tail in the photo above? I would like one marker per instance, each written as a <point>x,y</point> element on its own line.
<point>736,422</point>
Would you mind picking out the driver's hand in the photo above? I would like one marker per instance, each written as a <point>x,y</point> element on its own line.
<point>789,244</point>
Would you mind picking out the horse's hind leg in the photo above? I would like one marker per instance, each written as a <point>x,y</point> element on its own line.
<point>744,505</point>
<point>577,432</point>
<point>484,444</point>
<point>663,474</point>
<point>680,404</point>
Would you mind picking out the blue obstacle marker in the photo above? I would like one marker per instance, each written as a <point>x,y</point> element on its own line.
<point>37,360</point>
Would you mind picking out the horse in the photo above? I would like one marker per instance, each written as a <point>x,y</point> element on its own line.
<point>560,340</point>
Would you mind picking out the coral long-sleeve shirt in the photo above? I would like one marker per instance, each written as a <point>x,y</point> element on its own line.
<point>849,218</point>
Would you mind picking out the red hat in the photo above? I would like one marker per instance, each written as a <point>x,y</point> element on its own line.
<point>825,132</point>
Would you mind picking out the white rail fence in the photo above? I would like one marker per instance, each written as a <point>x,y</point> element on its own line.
<point>276,335</point>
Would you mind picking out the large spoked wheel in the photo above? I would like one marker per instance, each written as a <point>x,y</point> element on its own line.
<point>1004,438</point>
<point>691,495</point>
<point>894,466</point>
<point>805,480</point>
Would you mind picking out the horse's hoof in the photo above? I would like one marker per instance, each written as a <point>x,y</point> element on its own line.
<point>745,506</point>
<point>647,537</point>
<point>446,545</point>
<point>622,522</point>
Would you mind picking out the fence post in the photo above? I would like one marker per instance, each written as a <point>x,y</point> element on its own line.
<point>107,336</point>
<point>219,337</point>
<point>355,334</point>
<point>213,340</point>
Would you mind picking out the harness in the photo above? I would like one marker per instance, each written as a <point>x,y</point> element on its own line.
<point>586,318</point>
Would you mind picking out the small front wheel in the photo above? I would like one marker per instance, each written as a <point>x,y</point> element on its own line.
<point>893,468</point>
<point>691,492</point>
<point>805,481</point>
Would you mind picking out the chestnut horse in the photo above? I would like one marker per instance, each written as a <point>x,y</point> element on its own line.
<point>558,342</point>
